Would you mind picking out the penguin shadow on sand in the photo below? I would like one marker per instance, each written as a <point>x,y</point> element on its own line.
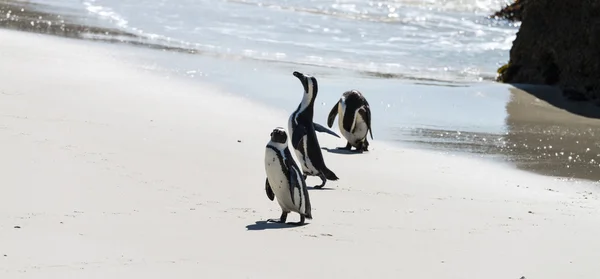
<point>319,189</point>
<point>266,225</point>
<point>342,150</point>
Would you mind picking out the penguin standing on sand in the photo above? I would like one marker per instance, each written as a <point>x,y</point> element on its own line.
<point>304,138</point>
<point>284,179</point>
<point>354,121</point>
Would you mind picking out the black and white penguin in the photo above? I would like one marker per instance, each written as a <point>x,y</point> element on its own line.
<point>354,121</point>
<point>304,138</point>
<point>284,179</point>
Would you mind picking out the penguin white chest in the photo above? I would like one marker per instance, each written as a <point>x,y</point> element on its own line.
<point>278,180</point>
<point>290,126</point>
<point>359,128</point>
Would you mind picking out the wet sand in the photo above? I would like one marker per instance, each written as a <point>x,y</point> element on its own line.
<point>71,23</point>
<point>547,135</point>
<point>548,139</point>
<point>53,20</point>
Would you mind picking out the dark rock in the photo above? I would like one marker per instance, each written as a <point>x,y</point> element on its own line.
<point>558,44</point>
<point>511,12</point>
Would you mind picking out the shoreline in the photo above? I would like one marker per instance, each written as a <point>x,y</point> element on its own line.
<point>111,172</point>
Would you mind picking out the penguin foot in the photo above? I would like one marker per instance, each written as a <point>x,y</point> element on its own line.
<point>281,220</point>
<point>358,150</point>
<point>323,180</point>
<point>302,222</point>
<point>365,145</point>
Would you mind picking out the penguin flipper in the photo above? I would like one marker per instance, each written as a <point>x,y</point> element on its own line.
<point>294,184</point>
<point>269,191</point>
<point>366,115</point>
<point>332,114</point>
<point>320,128</point>
<point>299,132</point>
<point>301,186</point>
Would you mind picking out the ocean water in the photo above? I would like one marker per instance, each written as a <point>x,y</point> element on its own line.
<point>427,67</point>
<point>450,40</point>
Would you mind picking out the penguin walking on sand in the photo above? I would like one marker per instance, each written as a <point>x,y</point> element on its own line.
<point>284,179</point>
<point>354,121</point>
<point>303,136</point>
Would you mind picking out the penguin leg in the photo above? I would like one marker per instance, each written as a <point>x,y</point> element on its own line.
<point>362,146</point>
<point>323,180</point>
<point>302,220</point>
<point>365,145</point>
<point>282,218</point>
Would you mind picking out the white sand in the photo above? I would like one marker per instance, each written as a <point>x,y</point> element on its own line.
<point>115,173</point>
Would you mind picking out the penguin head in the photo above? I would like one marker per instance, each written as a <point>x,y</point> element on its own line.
<point>279,135</point>
<point>310,85</point>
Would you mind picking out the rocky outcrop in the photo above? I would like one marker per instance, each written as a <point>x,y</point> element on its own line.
<point>558,43</point>
<point>511,12</point>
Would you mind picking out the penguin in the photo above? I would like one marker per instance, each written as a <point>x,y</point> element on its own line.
<point>354,121</point>
<point>303,136</point>
<point>284,179</point>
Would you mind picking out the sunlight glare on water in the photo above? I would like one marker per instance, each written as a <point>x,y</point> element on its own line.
<point>450,40</point>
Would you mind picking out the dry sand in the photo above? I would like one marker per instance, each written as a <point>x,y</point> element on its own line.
<point>115,173</point>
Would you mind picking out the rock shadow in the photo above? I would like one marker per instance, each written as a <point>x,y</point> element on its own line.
<point>555,97</point>
<point>550,135</point>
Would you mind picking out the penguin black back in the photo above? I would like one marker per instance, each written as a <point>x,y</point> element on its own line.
<point>303,134</point>
<point>355,100</point>
<point>355,119</point>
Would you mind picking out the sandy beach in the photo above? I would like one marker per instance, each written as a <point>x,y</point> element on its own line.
<point>111,172</point>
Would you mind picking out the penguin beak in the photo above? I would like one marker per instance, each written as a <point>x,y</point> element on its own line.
<point>299,75</point>
<point>303,79</point>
